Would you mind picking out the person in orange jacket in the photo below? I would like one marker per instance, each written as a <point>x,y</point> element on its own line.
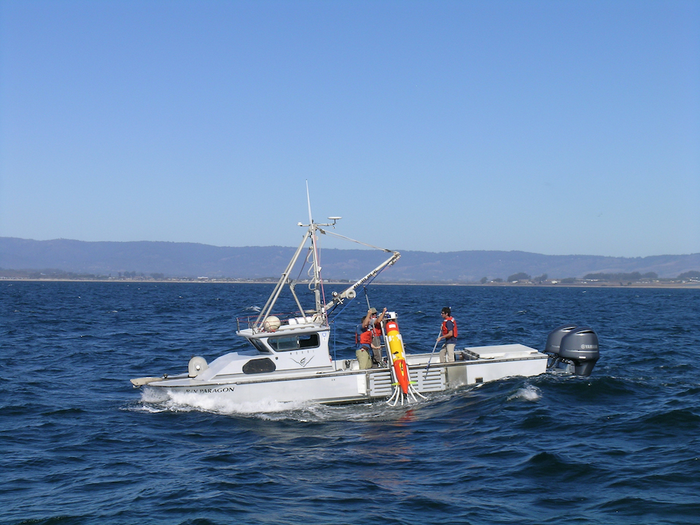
<point>374,324</point>
<point>368,338</point>
<point>449,335</point>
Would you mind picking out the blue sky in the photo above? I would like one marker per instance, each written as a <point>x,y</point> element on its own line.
<point>549,127</point>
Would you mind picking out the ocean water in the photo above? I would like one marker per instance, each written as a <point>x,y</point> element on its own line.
<point>79,445</point>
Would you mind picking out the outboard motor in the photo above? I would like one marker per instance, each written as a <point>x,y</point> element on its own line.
<point>554,339</point>
<point>574,347</point>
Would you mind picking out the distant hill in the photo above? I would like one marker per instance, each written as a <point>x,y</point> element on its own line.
<point>199,260</point>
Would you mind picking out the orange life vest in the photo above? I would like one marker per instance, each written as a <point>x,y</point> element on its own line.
<point>454,327</point>
<point>363,336</point>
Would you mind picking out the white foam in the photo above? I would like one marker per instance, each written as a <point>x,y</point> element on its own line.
<point>527,393</point>
<point>159,401</point>
<point>215,403</point>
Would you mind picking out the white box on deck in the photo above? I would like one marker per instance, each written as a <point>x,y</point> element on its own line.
<point>500,351</point>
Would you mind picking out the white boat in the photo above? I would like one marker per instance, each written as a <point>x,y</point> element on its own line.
<point>289,359</point>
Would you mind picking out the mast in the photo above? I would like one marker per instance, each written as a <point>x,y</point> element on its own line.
<point>284,279</point>
<point>315,281</point>
<point>316,284</point>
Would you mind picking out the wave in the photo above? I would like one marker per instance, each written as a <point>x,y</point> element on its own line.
<point>527,393</point>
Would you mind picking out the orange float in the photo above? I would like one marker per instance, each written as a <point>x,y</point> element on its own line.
<point>398,357</point>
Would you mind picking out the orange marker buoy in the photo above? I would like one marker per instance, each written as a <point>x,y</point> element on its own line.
<point>398,357</point>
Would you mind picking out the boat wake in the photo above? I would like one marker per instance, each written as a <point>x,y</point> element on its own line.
<point>154,401</point>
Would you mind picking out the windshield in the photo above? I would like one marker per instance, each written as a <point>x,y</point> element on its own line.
<point>259,346</point>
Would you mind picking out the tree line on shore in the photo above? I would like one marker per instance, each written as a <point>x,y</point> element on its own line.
<point>520,277</point>
<point>600,276</point>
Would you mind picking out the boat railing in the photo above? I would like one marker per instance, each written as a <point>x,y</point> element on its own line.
<point>276,322</point>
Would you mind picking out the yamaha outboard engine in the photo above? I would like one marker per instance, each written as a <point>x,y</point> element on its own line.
<point>574,347</point>
<point>555,336</point>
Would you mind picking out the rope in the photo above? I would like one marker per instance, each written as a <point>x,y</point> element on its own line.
<point>355,241</point>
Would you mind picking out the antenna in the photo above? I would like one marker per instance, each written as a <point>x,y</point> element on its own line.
<point>308,200</point>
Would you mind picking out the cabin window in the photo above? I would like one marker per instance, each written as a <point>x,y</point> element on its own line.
<point>259,366</point>
<point>308,341</point>
<point>293,342</point>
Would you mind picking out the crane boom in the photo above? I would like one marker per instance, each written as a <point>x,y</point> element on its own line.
<point>349,292</point>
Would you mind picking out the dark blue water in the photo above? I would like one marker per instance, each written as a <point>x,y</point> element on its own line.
<point>79,445</point>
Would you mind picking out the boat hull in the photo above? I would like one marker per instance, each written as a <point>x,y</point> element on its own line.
<point>343,383</point>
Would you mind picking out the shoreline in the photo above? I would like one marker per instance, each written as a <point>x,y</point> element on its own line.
<point>691,285</point>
